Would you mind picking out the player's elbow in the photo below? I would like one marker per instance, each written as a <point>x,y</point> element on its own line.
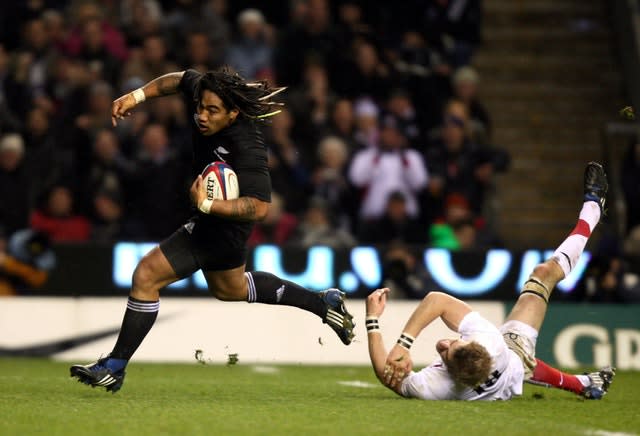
<point>261,211</point>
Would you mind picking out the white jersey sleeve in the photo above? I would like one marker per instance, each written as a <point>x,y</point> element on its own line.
<point>431,383</point>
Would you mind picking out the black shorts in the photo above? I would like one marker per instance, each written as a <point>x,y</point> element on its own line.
<point>190,248</point>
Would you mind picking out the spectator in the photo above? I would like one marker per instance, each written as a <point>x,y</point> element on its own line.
<point>311,103</point>
<point>43,156</point>
<point>391,167</point>
<point>207,17</point>
<point>631,184</point>
<point>159,186</point>
<point>367,133</point>
<point>25,261</point>
<point>278,227</point>
<point>288,162</point>
<point>330,182</point>
<point>316,228</point>
<point>17,91</point>
<point>609,278</point>
<point>111,38</point>
<point>454,25</point>
<point>342,123</point>
<point>632,243</point>
<point>400,107</point>
<point>394,225</point>
<point>15,184</point>
<point>140,19</point>
<point>38,46</point>
<point>93,51</point>
<point>457,165</point>
<point>251,53</point>
<point>451,230</point>
<point>108,218</point>
<point>465,88</point>
<point>57,218</point>
<point>424,70</point>
<point>312,38</point>
<point>8,120</point>
<point>94,117</point>
<point>108,171</point>
<point>367,76</point>
<point>149,62</point>
<point>404,274</point>
<point>56,28</point>
<point>199,53</point>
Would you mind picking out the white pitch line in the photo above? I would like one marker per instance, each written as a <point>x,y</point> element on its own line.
<point>608,433</point>
<point>265,369</point>
<point>357,384</point>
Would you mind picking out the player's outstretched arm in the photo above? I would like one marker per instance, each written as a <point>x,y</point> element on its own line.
<point>434,305</point>
<point>376,302</point>
<point>163,85</point>
<point>239,209</point>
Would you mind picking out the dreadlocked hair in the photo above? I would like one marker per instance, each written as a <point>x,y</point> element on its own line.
<point>470,365</point>
<point>251,99</point>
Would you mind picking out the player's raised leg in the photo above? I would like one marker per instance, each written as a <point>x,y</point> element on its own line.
<point>531,306</point>
<point>267,288</point>
<point>152,274</point>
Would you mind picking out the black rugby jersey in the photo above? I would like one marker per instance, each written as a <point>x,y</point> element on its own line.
<point>241,145</point>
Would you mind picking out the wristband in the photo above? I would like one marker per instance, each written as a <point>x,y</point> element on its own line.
<point>205,206</point>
<point>138,95</point>
<point>372,325</point>
<point>406,340</point>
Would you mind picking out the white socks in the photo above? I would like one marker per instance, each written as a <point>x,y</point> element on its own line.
<point>569,251</point>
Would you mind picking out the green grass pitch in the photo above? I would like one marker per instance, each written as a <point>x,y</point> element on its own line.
<point>38,397</point>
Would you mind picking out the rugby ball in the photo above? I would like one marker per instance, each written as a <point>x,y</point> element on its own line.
<point>220,182</point>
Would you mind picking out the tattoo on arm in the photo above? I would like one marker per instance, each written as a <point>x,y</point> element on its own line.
<point>243,209</point>
<point>163,85</point>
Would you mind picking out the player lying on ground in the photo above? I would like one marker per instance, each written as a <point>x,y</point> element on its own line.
<point>226,112</point>
<point>487,363</point>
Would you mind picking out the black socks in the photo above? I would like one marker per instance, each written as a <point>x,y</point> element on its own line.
<point>138,320</point>
<point>270,289</point>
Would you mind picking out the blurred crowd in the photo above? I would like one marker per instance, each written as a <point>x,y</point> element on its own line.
<point>383,137</point>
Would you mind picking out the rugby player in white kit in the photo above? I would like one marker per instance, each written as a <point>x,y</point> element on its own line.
<point>486,362</point>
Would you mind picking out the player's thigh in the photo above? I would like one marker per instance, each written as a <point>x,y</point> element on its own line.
<point>228,285</point>
<point>521,338</point>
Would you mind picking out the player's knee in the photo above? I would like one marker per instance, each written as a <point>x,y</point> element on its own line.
<point>145,278</point>
<point>548,272</point>
<point>228,293</point>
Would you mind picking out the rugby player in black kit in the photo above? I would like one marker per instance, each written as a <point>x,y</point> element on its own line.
<point>226,112</point>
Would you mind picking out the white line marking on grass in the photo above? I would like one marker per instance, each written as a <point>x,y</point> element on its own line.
<point>357,384</point>
<point>608,433</point>
<point>265,369</point>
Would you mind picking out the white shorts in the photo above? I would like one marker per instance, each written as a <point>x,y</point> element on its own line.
<point>521,339</point>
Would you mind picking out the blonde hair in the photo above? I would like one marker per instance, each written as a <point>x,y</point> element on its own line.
<point>470,365</point>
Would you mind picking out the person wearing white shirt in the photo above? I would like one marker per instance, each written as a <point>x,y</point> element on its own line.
<point>390,167</point>
<point>486,362</point>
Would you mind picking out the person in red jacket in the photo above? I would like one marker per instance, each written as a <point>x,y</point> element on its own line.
<point>58,220</point>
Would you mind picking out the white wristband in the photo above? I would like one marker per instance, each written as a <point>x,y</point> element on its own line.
<point>205,206</point>
<point>139,96</point>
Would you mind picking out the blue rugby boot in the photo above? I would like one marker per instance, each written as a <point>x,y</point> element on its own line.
<point>600,382</point>
<point>338,318</point>
<point>98,374</point>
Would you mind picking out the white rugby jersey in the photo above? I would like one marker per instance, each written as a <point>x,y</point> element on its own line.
<point>507,372</point>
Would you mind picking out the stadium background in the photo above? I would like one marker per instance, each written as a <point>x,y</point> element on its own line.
<point>496,176</point>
